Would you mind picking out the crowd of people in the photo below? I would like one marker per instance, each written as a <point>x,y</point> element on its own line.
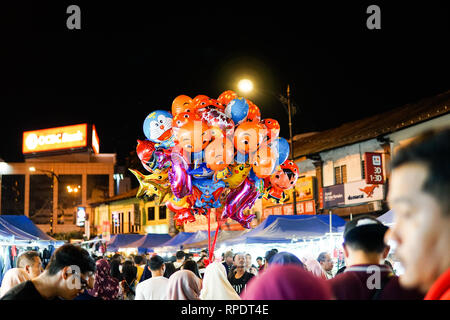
<point>418,192</point>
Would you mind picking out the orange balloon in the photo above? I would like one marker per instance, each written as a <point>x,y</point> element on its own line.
<point>193,136</point>
<point>273,129</point>
<point>263,162</point>
<point>181,104</point>
<point>196,101</point>
<point>254,114</point>
<point>219,154</point>
<point>248,136</point>
<point>226,96</point>
<point>184,117</point>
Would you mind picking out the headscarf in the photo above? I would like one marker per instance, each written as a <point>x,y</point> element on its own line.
<point>284,258</point>
<point>183,285</point>
<point>12,278</point>
<point>216,285</point>
<point>105,287</point>
<point>315,268</point>
<point>287,282</point>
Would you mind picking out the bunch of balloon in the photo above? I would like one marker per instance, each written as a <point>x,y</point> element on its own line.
<point>213,154</point>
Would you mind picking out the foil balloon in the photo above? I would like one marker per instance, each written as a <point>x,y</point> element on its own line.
<point>148,188</point>
<point>283,179</point>
<point>219,154</point>
<point>180,180</point>
<point>264,161</point>
<point>237,175</point>
<point>207,193</point>
<point>217,119</point>
<point>253,112</point>
<point>144,150</point>
<point>226,97</point>
<point>238,200</point>
<point>201,171</point>
<point>237,110</point>
<point>204,104</point>
<point>282,145</point>
<point>193,136</point>
<point>180,104</point>
<point>273,129</point>
<point>197,100</point>
<point>158,126</point>
<point>184,117</point>
<point>248,136</point>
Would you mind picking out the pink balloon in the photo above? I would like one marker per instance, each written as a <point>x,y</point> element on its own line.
<point>180,180</point>
<point>238,200</point>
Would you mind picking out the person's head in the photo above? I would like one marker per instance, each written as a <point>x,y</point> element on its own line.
<point>239,260</point>
<point>287,282</point>
<point>157,266</point>
<point>170,269</point>
<point>12,278</point>
<point>228,257</point>
<point>419,196</point>
<point>216,285</point>
<point>285,258</point>
<point>118,257</point>
<point>129,271</point>
<point>269,255</point>
<point>364,241</point>
<point>138,260</point>
<point>191,265</point>
<point>31,263</point>
<point>248,259</point>
<point>183,285</point>
<point>69,263</point>
<point>188,256</point>
<point>204,253</point>
<point>325,261</point>
<point>259,261</point>
<point>180,255</point>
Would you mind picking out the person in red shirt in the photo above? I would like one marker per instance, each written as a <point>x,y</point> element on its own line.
<point>366,277</point>
<point>419,192</point>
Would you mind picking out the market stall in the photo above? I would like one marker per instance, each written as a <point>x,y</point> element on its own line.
<point>174,244</point>
<point>119,242</point>
<point>149,242</point>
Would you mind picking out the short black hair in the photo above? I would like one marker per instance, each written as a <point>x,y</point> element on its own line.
<point>26,258</point>
<point>180,254</point>
<point>431,148</point>
<point>70,255</point>
<point>156,262</point>
<point>170,269</point>
<point>138,259</point>
<point>259,258</point>
<point>269,254</point>
<point>191,265</point>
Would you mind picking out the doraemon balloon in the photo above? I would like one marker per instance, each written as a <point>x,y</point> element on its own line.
<point>158,126</point>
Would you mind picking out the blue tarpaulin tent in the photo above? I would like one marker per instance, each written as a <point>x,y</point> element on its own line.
<point>25,226</point>
<point>289,227</point>
<point>387,218</point>
<point>150,241</point>
<point>176,241</point>
<point>122,241</point>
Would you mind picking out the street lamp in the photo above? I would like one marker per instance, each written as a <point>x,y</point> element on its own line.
<point>245,86</point>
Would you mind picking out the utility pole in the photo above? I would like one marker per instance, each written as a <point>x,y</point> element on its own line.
<point>291,144</point>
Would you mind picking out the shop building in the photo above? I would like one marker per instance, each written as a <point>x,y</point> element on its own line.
<point>63,171</point>
<point>350,164</point>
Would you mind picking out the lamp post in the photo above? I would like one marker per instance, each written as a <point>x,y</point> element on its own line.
<point>246,86</point>
<point>55,183</point>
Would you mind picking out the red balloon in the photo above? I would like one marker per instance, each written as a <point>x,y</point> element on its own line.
<point>226,96</point>
<point>254,114</point>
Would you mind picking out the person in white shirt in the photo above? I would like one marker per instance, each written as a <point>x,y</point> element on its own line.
<point>154,288</point>
<point>180,259</point>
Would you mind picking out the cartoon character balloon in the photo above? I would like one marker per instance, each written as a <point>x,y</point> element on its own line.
<point>158,126</point>
<point>281,180</point>
<point>219,154</point>
<point>180,104</point>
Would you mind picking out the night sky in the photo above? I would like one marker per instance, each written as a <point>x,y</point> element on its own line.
<point>113,75</point>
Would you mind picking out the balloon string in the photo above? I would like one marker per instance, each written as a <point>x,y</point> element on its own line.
<point>215,238</point>
<point>209,233</point>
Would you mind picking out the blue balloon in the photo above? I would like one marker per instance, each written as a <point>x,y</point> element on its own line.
<point>241,158</point>
<point>237,110</point>
<point>282,145</point>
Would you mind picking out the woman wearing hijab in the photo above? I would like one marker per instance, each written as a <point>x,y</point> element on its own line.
<point>285,258</point>
<point>12,278</point>
<point>313,266</point>
<point>105,287</point>
<point>183,285</point>
<point>287,282</point>
<point>216,285</point>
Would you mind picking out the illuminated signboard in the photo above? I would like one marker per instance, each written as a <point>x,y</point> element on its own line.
<point>77,137</point>
<point>81,216</point>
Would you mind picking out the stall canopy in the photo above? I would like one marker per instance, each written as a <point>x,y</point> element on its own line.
<point>149,242</point>
<point>221,237</point>
<point>176,241</point>
<point>387,218</point>
<point>25,226</point>
<point>284,229</point>
<point>122,241</point>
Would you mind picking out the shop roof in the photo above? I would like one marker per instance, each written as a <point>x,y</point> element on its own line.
<point>374,126</point>
<point>126,195</point>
